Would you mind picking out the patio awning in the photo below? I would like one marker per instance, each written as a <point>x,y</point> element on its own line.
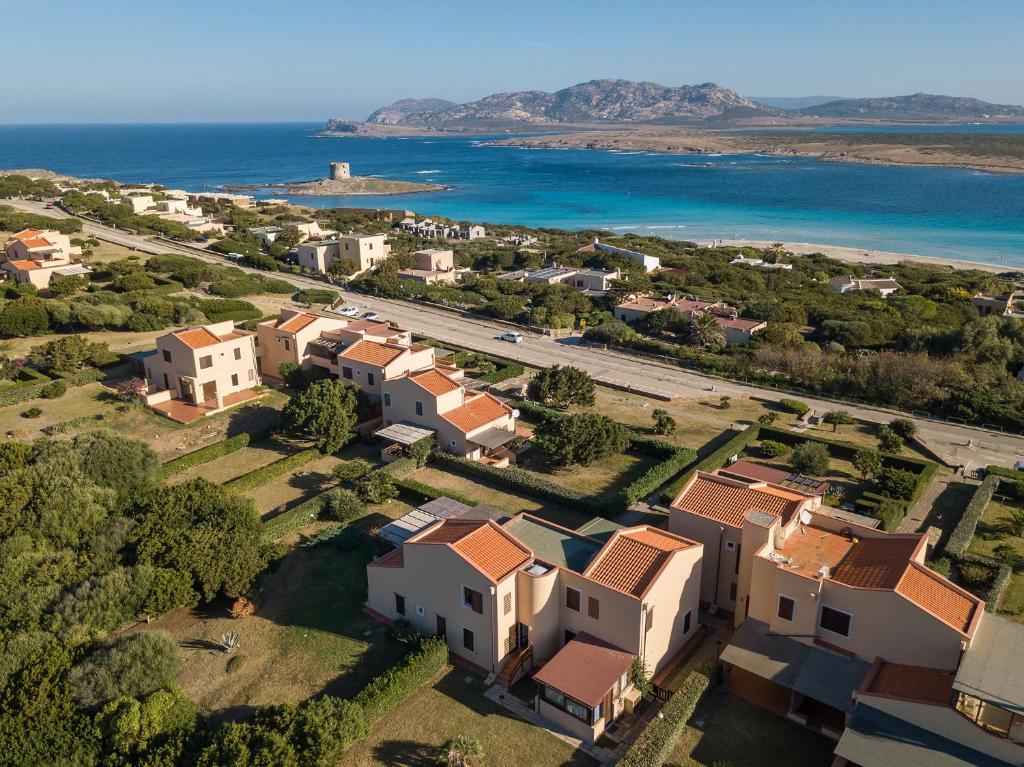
<point>585,669</point>
<point>404,433</point>
<point>71,271</point>
<point>992,669</point>
<point>494,437</point>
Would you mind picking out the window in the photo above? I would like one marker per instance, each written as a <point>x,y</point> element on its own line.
<point>507,603</point>
<point>835,621</point>
<point>346,373</point>
<point>387,399</point>
<point>206,362</point>
<point>468,639</point>
<point>399,604</point>
<point>238,352</point>
<point>739,547</point>
<point>252,375</point>
<point>167,356</point>
<point>572,598</point>
<point>593,608</point>
<point>729,545</point>
<point>577,710</point>
<point>787,608</point>
<point>420,611</point>
<point>472,599</point>
<point>686,621</point>
<point>419,408</point>
<point>551,695</point>
<point>369,379</point>
<point>624,681</point>
<point>732,591</point>
<point>234,379</point>
<point>287,345</point>
<point>597,712</point>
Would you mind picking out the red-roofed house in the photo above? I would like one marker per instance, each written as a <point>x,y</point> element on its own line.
<point>200,371</point>
<point>530,594</point>
<point>738,330</point>
<point>36,256</point>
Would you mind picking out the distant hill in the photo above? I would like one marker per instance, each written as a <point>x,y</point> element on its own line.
<point>594,101</point>
<point>794,102</point>
<point>393,114</point>
<point>919,106</point>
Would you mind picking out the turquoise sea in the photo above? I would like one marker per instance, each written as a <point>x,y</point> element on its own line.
<point>949,213</point>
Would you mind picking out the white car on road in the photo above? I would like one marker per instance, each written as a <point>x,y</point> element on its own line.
<point>349,311</point>
<point>372,316</point>
<point>512,337</point>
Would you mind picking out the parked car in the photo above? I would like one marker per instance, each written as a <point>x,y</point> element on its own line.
<point>372,316</point>
<point>512,337</point>
<point>48,206</point>
<point>348,311</point>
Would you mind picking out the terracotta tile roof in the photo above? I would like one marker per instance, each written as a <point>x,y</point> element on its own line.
<point>728,501</point>
<point>372,353</point>
<point>394,559</point>
<point>485,545</point>
<point>927,685</point>
<point>434,382</point>
<point>36,242</point>
<point>25,234</point>
<point>24,265</point>
<point>876,563</point>
<point>297,322</point>
<point>936,595</point>
<point>197,338</point>
<point>476,412</point>
<point>585,669</point>
<point>631,560</point>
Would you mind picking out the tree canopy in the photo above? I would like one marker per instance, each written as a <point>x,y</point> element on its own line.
<point>324,414</point>
<point>561,387</point>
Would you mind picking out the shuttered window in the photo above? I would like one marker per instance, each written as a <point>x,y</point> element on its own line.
<point>593,608</point>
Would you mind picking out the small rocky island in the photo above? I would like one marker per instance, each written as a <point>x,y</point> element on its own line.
<point>341,182</point>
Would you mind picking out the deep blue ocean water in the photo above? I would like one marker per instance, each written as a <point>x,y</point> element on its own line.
<point>949,213</point>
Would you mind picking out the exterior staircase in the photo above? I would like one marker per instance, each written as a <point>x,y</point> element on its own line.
<point>514,664</point>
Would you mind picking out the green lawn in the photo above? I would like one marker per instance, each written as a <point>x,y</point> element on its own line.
<point>225,468</point>
<point>726,730</point>
<point>993,530</point>
<point>413,733</point>
<point>602,476</point>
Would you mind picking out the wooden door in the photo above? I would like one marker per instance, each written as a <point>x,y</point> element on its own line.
<point>209,391</point>
<point>442,627</point>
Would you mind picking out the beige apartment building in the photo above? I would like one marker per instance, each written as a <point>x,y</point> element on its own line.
<point>35,256</point>
<point>200,371</point>
<point>365,250</point>
<point>529,594</point>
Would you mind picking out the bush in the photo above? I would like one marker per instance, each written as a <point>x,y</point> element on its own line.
<point>942,566</point>
<point>206,454</point>
<point>904,427</point>
<point>25,316</point>
<point>562,386</point>
<point>655,744</point>
<point>897,483</point>
<point>891,513</point>
<point>581,438</point>
<point>772,449</point>
<point>32,412</point>
<point>889,441</point>
<point>810,458</point>
<point>676,459</point>
<point>342,505</point>
<point>316,296</point>
<point>960,538</point>
<point>391,688</point>
<point>794,406</point>
<point>974,575</point>
<point>278,468</point>
<point>133,665</point>
<point>306,512</point>
<point>377,487</point>
<point>350,471</point>
<point>54,389</point>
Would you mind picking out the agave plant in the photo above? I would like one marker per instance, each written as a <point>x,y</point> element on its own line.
<point>229,641</point>
<point>462,751</point>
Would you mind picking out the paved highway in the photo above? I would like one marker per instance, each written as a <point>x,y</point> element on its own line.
<point>956,444</point>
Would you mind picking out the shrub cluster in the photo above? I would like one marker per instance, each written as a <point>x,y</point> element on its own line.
<point>655,744</point>
<point>390,688</point>
<point>794,406</point>
<point>962,534</point>
<point>265,474</point>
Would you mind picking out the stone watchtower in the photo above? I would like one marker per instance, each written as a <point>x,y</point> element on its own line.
<point>339,170</point>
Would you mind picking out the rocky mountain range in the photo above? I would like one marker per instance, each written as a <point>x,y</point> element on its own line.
<point>919,106</point>
<point>393,114</point>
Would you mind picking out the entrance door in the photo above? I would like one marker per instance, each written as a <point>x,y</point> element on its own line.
<point>209,391</point>
<point>187,389</point>
<point>442,627</point>
<point>524,634</point>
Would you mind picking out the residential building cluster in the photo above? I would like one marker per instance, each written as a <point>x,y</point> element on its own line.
<point>435,230</point>
<point>304,230</point>
<point>364,250</point>
<point>650,263</point>
<point>737,329</point>
<point>1009,305</point>
<point>36,256</point>
<point>590,282</point>
<point>173,205</point>
<point>886,286</point>
<point>432,266</point>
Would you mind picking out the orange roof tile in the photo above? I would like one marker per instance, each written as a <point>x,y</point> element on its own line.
<point>485,545</point>
<point>25,234</point>
<point>927,685</point>
<point>632,559</point>
<point>394,559</point>
<point>197,338</point>
<point>876,563</point>
<point>297,322</point>
<point>36,242</point>
<point>476,412</point>
<point>936,595</point>
<point>24,265</point>
<point>434,382</point>
<point>372,353</point>
<point>728,501</point>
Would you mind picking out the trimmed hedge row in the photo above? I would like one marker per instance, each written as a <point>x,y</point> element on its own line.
<point>205,455</point>
<point>273,470</point>
<point>503,373</point>
<point>655,744</point>
<point>517,479</point>
<point>22,393</point>
<point>81,377</point>
<point>420,490</point>
<point>962,534</point>
<point>1001,573</point>
<point>1012,476</point>
<point>392,687</point>
<point>297,516</point>
<point>677,459</point>
<point>714,460</point>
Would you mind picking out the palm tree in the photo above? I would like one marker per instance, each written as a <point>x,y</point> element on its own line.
<point>706,332</point>
<point>462,751</point>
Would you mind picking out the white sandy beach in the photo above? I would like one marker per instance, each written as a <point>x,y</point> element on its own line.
<point>867,256</point>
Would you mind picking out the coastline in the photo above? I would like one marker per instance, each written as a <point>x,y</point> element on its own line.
<point>868,256</point>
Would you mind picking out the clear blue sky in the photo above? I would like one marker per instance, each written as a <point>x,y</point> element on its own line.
<point>226,60</point>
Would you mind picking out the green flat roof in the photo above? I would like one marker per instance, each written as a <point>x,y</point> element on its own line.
<point>554,544</point>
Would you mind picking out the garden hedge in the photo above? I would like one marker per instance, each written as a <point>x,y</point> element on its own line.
<point>392,687</point>
<point>297,516</point>
<point>81,377</point>
<point>22,393</point>
<point>655,744</point>
<point>1001,573</point>
<point>517,479</point>
<point>418,491</point>
<point>962,534</point>
<point>206,454</point>
<point>676,459</point>
<point>273,470</point>
<point>715,460</point>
